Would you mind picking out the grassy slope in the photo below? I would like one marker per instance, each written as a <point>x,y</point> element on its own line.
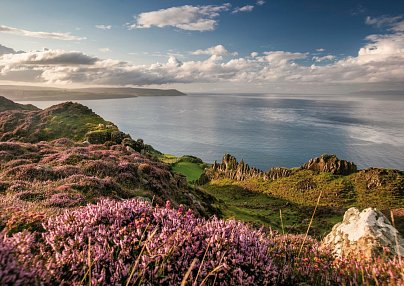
<point>191,170</point>
<point>189,166</point>
<point>239,202</point>
<point>66,120</point>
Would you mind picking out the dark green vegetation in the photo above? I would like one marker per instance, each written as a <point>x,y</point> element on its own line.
<point>31,93</point>
<point>190,166</point>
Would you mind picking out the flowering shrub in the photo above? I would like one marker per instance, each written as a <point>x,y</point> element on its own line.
<point>131,242</point>
<point>64,174</point>
<point>66,200</point>
<point>11,270</point>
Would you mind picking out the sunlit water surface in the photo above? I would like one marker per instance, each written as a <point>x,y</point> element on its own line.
<point>264,130</point>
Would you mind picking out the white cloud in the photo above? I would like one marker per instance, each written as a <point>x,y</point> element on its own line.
<point>103,27</point>
<point>320,50</point>
<point>42,35</point>
<point>324,58</point>
<point>104,50</point>
<point>218,50</point>
<point>281,57</point>
<point>261,2</point>
<point>247,8</point>
<point>191,18</point>
<point>380,61</point>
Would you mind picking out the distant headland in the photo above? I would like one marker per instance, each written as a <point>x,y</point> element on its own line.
<point>34,93</point>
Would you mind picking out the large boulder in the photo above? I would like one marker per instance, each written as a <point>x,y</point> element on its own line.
<point>367,233</point>
<point>330,164</point>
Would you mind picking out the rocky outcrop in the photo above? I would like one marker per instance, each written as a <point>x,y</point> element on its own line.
<point>240,171</point>
<point>278,172</point>
<point>364,233</point>
<point>377,178</point>
<point>231,169</point>
<point>330,164</point>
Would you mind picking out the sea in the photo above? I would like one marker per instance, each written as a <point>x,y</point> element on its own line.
<point>266,130</point>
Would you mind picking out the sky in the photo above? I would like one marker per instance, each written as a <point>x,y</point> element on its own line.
<point>295,46</point>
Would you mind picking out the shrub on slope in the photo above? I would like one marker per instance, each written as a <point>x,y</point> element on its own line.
<point>63,173</point>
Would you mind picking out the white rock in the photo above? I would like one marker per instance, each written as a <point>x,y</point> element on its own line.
<point>364,233</point>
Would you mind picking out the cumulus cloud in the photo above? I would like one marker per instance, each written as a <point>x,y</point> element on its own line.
<point>320,50</point>
<point>104,50</point>
<point>218,50</point>
<point>247,8</point>
<point>281,57</point>
<point>380,60</point>
<point>261,2</point>
<point>190,18</point>
<point>103,27</point>
<point>42,35</point>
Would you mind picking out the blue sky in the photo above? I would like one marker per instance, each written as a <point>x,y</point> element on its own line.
<point>260,45</point>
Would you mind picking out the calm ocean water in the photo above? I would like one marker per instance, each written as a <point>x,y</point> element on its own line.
<point>264,130</point>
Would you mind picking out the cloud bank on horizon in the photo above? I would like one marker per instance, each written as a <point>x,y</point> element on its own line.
<point>380,59</point>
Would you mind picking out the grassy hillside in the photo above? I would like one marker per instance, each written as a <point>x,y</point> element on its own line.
<point>259,200</point>
<point>261,209</point>
<point>65,120</point>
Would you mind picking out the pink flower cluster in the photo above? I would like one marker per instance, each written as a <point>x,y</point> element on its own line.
<point>115,243</point>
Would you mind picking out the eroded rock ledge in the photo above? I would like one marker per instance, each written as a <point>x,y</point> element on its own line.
<point>230,168</point>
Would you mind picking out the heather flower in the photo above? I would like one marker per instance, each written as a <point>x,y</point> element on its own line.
<point>133,242</point>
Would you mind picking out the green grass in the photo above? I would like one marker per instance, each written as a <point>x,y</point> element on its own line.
<point>191,170</point>
<point>189,166</point>
<point>260,209</point>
